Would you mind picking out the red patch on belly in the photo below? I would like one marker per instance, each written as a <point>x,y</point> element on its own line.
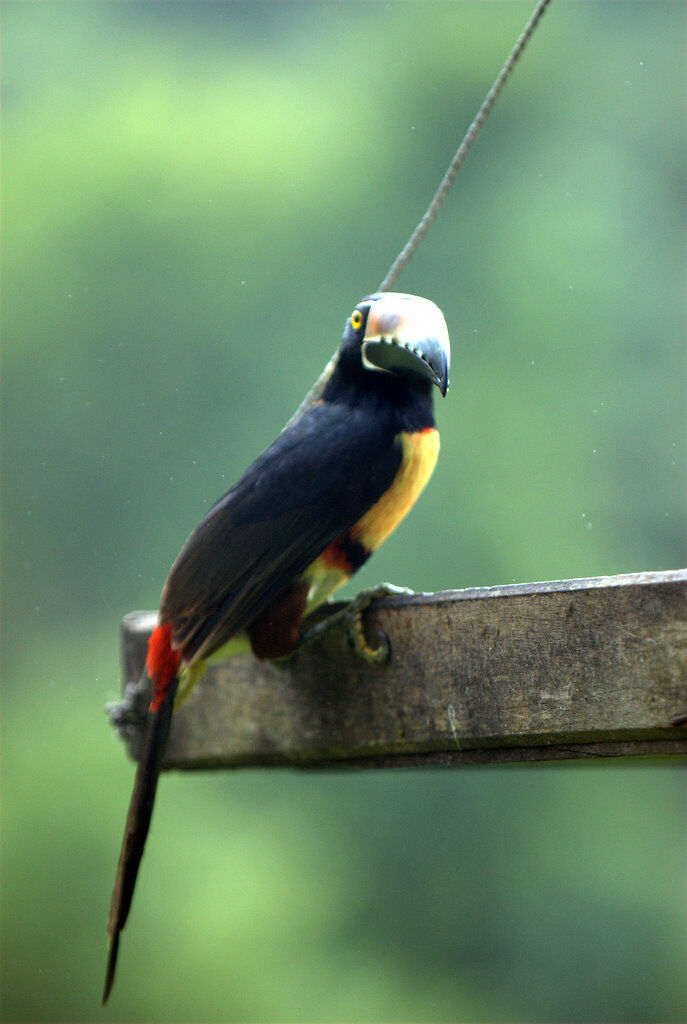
<point>335,557</point>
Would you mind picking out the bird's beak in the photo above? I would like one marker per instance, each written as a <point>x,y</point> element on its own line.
<point>407,335</point>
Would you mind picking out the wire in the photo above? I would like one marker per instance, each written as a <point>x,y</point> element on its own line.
<point>471,134</point>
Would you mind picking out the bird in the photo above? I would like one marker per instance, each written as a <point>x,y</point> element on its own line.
<point>303,518</point>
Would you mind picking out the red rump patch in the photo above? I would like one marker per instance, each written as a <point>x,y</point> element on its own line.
<point>162,662</point>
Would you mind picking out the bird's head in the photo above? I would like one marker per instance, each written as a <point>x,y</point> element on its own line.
<point>399,334</point>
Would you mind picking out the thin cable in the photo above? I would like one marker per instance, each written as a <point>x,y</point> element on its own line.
<point>473,131</point>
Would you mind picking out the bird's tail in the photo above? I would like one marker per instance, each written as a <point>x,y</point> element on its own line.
<point>163,672</point>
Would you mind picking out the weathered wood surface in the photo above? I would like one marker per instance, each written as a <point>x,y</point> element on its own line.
<point>572,669</point>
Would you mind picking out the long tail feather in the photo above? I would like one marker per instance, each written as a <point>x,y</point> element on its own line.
<point>138,824</point>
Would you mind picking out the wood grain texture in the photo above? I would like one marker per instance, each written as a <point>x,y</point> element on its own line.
<point>571,669</point>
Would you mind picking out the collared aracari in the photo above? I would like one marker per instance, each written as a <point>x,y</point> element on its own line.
<point>301,520</point>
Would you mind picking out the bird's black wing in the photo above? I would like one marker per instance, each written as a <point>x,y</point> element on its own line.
<point>321,475</point>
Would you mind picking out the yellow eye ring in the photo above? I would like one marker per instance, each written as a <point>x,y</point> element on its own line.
<point>356,319</point>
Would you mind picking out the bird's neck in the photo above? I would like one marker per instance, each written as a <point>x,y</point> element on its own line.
<point>408,403</point>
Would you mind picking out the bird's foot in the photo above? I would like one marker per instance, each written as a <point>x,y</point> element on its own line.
<point>351,618</point>
<point>129,714</point>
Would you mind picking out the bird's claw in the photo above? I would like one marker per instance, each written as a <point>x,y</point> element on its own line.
<point>351,618</point>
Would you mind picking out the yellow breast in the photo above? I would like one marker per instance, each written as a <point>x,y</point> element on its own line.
<point>420,453</point>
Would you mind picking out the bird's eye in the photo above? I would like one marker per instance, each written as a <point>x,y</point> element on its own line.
<point>356,319</point>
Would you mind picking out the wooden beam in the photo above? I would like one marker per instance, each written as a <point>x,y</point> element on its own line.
<point>534,672</point>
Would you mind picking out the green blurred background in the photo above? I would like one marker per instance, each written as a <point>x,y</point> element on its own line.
<point>195,196</point>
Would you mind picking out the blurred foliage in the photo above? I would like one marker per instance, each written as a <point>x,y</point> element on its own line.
<point>194,197</point>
